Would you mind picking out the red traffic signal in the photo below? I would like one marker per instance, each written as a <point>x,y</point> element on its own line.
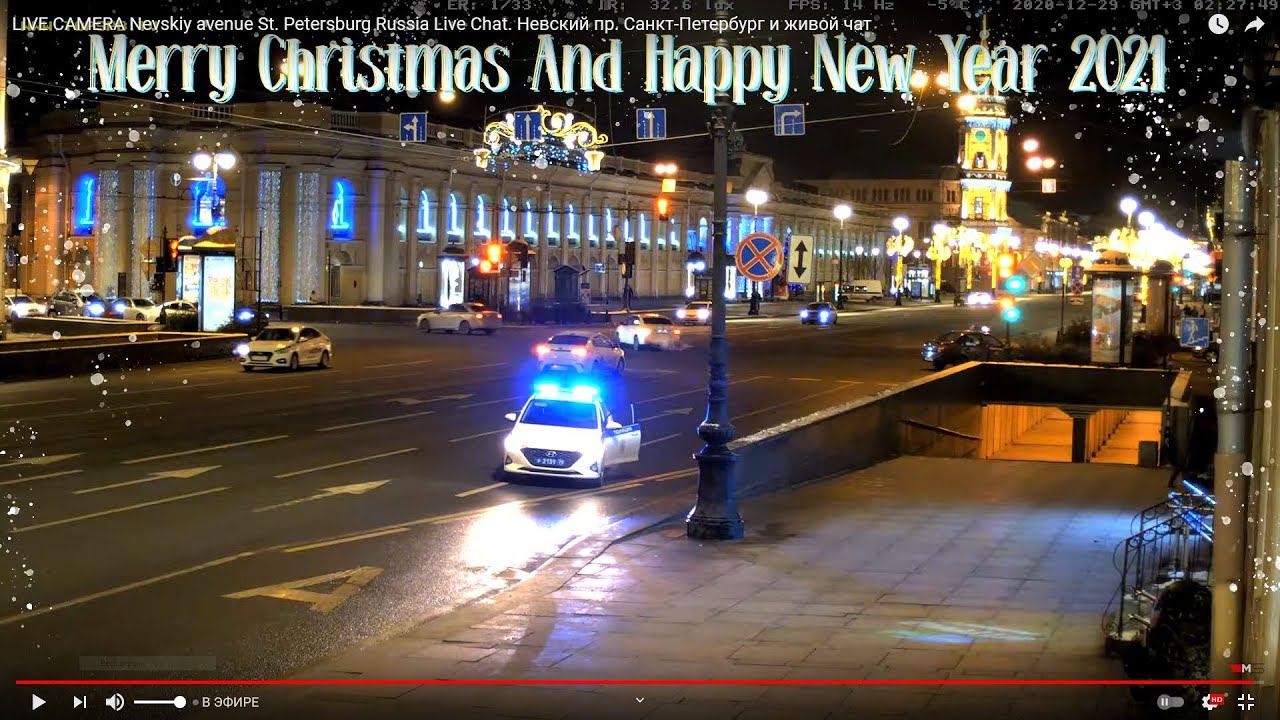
<point>663,207</point>
<point>491,257</point>
<point>173,250</point>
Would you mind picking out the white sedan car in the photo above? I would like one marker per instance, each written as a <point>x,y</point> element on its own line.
<point>20,306</point>
<point>567,432</point>
<point>282,345</point>
<point>135,309</point>
<point>462,318</point>
<point>649,330</point>
<point>584,352</point>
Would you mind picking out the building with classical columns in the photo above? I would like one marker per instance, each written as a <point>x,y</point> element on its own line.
<point>330,206</point>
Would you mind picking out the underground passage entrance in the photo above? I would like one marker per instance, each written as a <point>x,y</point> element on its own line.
<point>1121,436</point>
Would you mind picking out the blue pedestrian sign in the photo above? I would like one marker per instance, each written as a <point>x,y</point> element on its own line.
<point>788,119</point>
<point>1194,332</point>
<point>528,125</point>
<point>651,123</point>
<point>413,127</point>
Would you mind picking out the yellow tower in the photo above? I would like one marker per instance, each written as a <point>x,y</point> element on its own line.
<point>984,155</point>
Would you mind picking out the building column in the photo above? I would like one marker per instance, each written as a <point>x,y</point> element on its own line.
<point>411,241</point>
<point>392,281</point>
<point>375,261</point>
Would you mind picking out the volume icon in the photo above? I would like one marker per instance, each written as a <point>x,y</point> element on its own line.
<point>116,702</point>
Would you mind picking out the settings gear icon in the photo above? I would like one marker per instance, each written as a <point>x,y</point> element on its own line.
<point>1211,701</point>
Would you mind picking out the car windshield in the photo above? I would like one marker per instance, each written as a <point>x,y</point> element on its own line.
<point>560,413</point>
<point>143,302</point>
<point>817,306</point>
<point>568,340</point>
<point>21,299</point>
<point>698,305</point>
<point>657,321</point>
<point>947,337</point>
<point>276,334</point>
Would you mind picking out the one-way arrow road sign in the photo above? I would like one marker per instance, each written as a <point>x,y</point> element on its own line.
<point>798,271</point>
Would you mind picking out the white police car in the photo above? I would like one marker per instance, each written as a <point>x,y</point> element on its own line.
<point>566,431</point>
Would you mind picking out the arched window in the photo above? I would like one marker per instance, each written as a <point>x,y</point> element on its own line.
<point>341,209</point>
<point>593,234</point>
<point>426,215</point>
<point>673,240</point>
<point>553,233</point>
<point>571,225</point>
<point>207,195</point>
<point>644,232</point>
<point>453,223</point>
<point>702,234</point>
<point>507,220</point>
<point>530,223</point>
<point>482,217</point>
<point>610,236</point>
<point>85,204</point>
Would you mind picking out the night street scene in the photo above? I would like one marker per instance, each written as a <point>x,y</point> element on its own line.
<point>641,359</point>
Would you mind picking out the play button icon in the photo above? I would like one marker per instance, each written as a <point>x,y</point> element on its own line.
<point>36,701</point>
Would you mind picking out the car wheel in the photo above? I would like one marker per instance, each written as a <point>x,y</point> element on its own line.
<point>464,327</point>
<point>424,326</point>
<point>293,361</point>
<point>324,360</point>
<point>246,368</point>
<point>939,364</point>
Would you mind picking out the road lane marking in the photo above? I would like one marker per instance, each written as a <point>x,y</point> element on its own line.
<point>114,511</point>
<point>790,402</point>
<point>658,440</point>
<point>665,413</point>
<point>353,581</point>
<point>90,411</point>
<point>701,389</point>
<point>35,402</point>
<point>353,489</point>
<point>326,542</point>
<point>196,451</point>
<point>349,538</point>
<point>479,435</point>
<point>40,460</point>
<point>183,474</point>
<point>344,463</point>
<point>398,364</point>
<point>410,402</point>
<point>376,420</point>
<point>40,477</point>
<point>806,379</point>
<point>127,391</point>
<point>479,490</point>
<point>490,402</point>
<point>260,392</point>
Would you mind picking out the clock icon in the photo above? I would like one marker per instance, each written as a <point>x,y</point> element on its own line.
<point>1218,24</point>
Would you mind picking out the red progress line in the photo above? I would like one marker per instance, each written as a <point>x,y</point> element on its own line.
<point>534,682</point>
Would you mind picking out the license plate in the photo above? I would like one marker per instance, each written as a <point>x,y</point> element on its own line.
<point>548,462</point>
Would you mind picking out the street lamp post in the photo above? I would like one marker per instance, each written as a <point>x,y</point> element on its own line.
<point>756,197</point>
<point>842,212</point>
<point>1127,206</point>
<point>715,516</point>
<point>900,224</point>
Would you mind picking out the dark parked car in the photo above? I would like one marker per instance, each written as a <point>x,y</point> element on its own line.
<point>960,346</point>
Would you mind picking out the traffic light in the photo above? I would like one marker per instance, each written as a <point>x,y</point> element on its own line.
<point>627,259</point>
<point>1016,284</point>
<point>1011,314</point>
<point>491,258</point>
<point>1004,264</point>
<point>662,207</point>
<point>1004,302</point>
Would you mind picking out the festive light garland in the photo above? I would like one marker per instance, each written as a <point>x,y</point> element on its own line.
<point>565,141</point>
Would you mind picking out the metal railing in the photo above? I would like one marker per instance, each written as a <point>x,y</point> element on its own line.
<point>1173,540</point>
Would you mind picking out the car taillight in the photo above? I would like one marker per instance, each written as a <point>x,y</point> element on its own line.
<point>579,352</point>
<point>541,350</point>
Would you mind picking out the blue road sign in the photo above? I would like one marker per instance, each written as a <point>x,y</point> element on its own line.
<point>788,119</point>
<point>1194,332</point>
<point>528,125</point>
<point>651,123</point>
<point>413,127</point>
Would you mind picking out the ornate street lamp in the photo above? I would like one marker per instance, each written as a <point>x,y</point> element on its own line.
<point>899,245</point>
<point>842,212</point>
<point>1127,206</point>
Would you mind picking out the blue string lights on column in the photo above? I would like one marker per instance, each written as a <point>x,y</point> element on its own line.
<point>565,141</point>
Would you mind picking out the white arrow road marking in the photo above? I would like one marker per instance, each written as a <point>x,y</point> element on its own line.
<point>480,435</point>
<point>352,581</point>
<point>40,477</point>
<point>408,402</point>
<point>344,463</point>
<point>196,451</point>
<point>42,460</point>
<point>397,364</point>
<point>353,489</point>
<point>344,426</point>
<point>113,511</point>
<point>664,413</point>
<point>182,474</point>
<point>658,440</point>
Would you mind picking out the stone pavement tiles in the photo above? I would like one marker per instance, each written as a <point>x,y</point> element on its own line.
<point>917,568</point>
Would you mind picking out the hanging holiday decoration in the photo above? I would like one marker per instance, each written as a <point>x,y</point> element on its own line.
<point>564,140</point>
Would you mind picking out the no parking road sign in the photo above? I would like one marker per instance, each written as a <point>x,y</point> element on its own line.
<point>759,257</point>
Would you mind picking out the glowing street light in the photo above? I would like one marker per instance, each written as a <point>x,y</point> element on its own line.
<point>1127,206</point>
<point>1030,145</point>
<point>1146,219</point>
<point>901,224</point>
<point>1049,163</point>
<point>756,197</point>
<point>1035,163</point>
<point>943,79</point>
<point>842,212</point>
<point>967,103</point>
<point>202,161</point>
<point>447,96</point>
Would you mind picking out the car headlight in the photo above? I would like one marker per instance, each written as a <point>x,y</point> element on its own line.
<point>242,350</point>
<point>824,316</point>
<point>703,314</point>
<point>96,308</point>
<point>510,444</point>
<point>804,314</point>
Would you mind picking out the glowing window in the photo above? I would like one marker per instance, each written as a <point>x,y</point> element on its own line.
<point>454,218</point>
<point>571,224</point>
<point>426,215</point>
<point>507,220</point>
<point>530,223</point>
<point>482,217</point>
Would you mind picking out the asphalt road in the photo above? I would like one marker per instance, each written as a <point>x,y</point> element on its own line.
<point>157,517</point>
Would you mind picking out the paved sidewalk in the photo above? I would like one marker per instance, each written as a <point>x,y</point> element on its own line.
<point>917,568</point>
